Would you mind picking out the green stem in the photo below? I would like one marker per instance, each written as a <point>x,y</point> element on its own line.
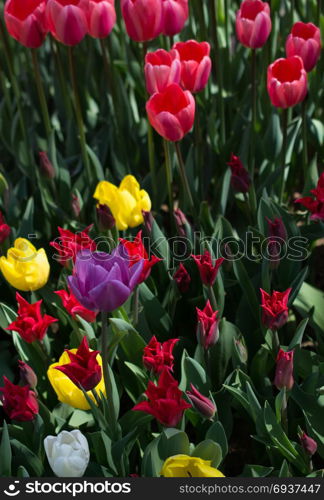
<point>284,412</point>
<point>304,126</point>
<point>292,11</point>
<point>62,80</point>
<point>135,306</point>
<point>41,94</point>
<point>168,175</point>
<point>78,114</point>
<point>319,12</point>
<point>218,71</point>
<point>275,343</point>
<point>212,298</point>
<point>254,110</point>
<point>104,351</point>
<point>283,153</point>
<point>184,178</point>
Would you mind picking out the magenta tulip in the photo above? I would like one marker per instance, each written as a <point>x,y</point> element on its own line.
<point>287,82</point>
<point>174,14</point>
<point>195,64</point>
<point>67,20</point>
<point>101,17</point>
<point>161,69</point>
<point>25,21</point>
<point>253,23</point>
<point>143,18</point>
<point>305,41</point>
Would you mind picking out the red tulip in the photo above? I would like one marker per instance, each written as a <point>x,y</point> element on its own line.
<point>305,41</point>
<point>136,252</point>
<point>195,64</point>
<point>4,229</point>
<point>207,269</point>
<point>171,112</point>
<point>182,279</point>
<point>19,403</point>
<point>143,18</point>
<point>83,370</point>
<point>276,228</point>
<point>158,355</point>
<point>203,405</point>
<point>274,308</point>
<point>240,179</point>
<point>284,370</point>
<point>67,20</point>
<point>74,308</point>
<point>207,328</point>
<point>165,401</point>
<point>25,21</point>
<point>287,82</point>
<point>69,244</point>
<point>315,205</point>
<point>30,324</point>
<point>253,23</point>
<point>175,13</point>
<point>161,69</point>
<point>101,17</point>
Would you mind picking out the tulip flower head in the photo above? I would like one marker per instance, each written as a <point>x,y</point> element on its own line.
<point>69,244</point>
<point>136,252</point>
<point>161,69</point>
<point>143,19</point>
<point>19,403</point>
<point>67,453</point>
<point>101,17</point>
<point>30,324</point>
<point>186,466</point>
<point>195,64</point>
<point>203,405</point>
<point>208,269</point>
<point>165,401</point>
<point>287,82</point>
<point>4,229</point>
<point>171,112</point>
<point>74,308</point>
<point>126,202</point>
<point>207,327</point>
<point>25,268</point>
<point>66,390</point>
<point>103,282</point>
<point>284,370</point>
<point>304,41</point>
<point>308,444</point>
<point>46,166</point>
<point>67,20</point>
<point>182,278</point>
<point>174,15</point>
<point>275,308</point>
<point>106,219</point>
<point>253,23</point>
<point>25,21</point>
<point>315,204</point>
<point>159,355</point>
<point>277,237</point>
<point>27,375</point>
<point>240,179</point>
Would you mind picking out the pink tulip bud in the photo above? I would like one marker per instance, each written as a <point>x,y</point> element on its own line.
<point>240,179</point>
<point>46,165</point>
<point>203,405</point>
<point>143,18</point>
<point>207,328</point>
<point>181,222</point>
<point>287,82</point>
<point>25,21</point>
<point>175,13</point>
<point>27,375</point>
<point>101,17</point>
<point>161,69</point>
<point>253,23</point>
<point>284,376</point>
<point>305,41</point>
<point>195,64</point>
<point>75,205</point>
<point>171,112</point>
<point>309,445</point>
<point>67,20</point>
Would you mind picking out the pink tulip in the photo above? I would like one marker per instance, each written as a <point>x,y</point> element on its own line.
<point>284,376</point>
<point>161,69</point>
<point>101,17</point>
<point>143,18</point>
<point>67,20</point>
<point>171,112</point>
<point>287,82</point>
<point>25,21</point>
<point>195,64</point>
<point>253,23</point>
<point>305,41</point>
<point>175,13</point>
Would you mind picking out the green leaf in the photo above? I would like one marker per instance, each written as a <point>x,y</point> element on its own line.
<point>27,458</point>
<point>284,470</point>
<point>298,337</point>
<point>256,471</point>
<point>217,433</point>
<point>209,450</point>
<point>5,452</point>
<point>247,288</point>
<point>173,442</point>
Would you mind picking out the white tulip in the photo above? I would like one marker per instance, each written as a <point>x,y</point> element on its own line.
<point>67,453</point>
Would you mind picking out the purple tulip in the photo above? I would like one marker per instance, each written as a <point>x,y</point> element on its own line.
<point>103,281</point>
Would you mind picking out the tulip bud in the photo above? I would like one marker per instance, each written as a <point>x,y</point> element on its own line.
<point>207,328</point>
<point>203,405</point>
<point>181,222</point>
<point>182,279</point>
<point>305,41</point>
<point>195,64</point>
<point>67,453</point>
<point>5,230</point>
<point>309,445</point>
<point>277,228</point>
<point>27,375</point>
<point>242,350</point>
<point>46,166</point>
<point>148,221</point>
<point>106,219</point>
<point>75,205</point>
<point>174,15</point>
<point>253,23</point>
<point>143,18</point>
<point>284,376</point>
<point>240,179</point>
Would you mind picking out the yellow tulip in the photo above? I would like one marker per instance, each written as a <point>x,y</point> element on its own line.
<point>186,466</point>
<point>67,392</point>
<point>126,202</point>
<point>25,268</point>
